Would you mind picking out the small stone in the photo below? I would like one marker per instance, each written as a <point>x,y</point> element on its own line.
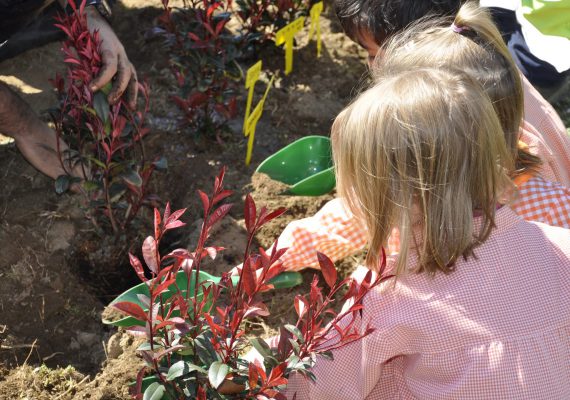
<point>59,235</point>
<point>87,339</point>
<point>114,348</point>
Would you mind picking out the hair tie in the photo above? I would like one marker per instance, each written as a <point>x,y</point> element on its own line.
<point>458,29</point>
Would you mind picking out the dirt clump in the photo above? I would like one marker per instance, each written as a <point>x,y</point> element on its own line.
<point>271,194</point>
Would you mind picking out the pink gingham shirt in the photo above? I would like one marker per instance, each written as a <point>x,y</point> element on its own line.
<point>498,327</point>
<point>551,131</point>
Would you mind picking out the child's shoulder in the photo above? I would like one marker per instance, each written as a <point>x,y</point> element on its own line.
<point>557,236</point>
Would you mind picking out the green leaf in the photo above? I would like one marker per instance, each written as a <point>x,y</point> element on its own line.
<point>97,162</point>
<point>217,373</point>
<point>295,345</point>
<point>132,176</point>
<point>295,331</point>
<point>62,184</point>
<point>155,391</point>
<point>261,346</point>
<point>101,106</point>
<point>144,346</point>
<point>182,368</point>
<point>106,89</point>
<point>204,348</point>
<point>90,185</point>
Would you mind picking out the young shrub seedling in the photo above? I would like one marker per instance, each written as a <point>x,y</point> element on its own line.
<point>204,62</point>
<point>105,141</point>
<point>194,328</point>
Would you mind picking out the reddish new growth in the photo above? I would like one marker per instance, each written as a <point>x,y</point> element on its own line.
<point>105,140</point>
<point>204,61</point>
<point>196,338</point>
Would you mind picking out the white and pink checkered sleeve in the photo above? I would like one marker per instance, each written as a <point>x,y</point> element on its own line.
<point>540,114</point>
<point>333,231</point>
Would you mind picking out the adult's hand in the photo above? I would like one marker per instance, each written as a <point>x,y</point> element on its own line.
<point>116,64</point>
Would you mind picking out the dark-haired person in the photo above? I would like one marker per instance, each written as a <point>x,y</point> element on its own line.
<point>371,22</point>
<point>29,23</point>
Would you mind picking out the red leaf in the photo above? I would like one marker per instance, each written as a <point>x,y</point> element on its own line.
<point>211,10</point>
<point>137,266</point>
<point>136,390</point>
<point>149,254</point>
<point>276,377</point>
<point>208,28</point>
<point>163,286</point>
<point>167,211</point>
<point>201,393</point>
<point>174,224</point>
<point>132,309</point>
<point>250,213</point>
<point>197,99</point>
<point>258,309</point>
<point>219,181</point>
<point>261,371</point>
<point>194,37</point>
<point>327,268</point>
<point>253,376</point>
<point>220,213</point>
<point>222,195</point>
<point>175,216</point>
<point>248,277</point>
<point>220,26</point>
<point>272,215</point>
<point>205,200</point>
<point>157,221</point>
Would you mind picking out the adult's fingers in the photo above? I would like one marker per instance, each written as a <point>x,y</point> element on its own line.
<point>107,72</point>
<point>132,89</point>
<point>124,71</point>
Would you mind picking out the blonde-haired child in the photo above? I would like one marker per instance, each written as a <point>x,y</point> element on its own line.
<point>480,307</point>
<point>475,46</point>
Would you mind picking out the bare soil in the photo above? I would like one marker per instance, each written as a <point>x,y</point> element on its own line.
<point>56,275</point>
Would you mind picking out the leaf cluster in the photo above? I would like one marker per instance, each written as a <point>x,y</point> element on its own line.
<point>196,338</point>
<point>260,19</point>
<point>204,61</point>
<point>105,141</point>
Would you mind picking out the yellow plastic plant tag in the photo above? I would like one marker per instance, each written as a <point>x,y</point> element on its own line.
<point>252,76</point>
<point>316,11</point>
<point>252,120</point>
<point>286,35</point>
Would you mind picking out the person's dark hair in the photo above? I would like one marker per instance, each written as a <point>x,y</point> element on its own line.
<point>384,18</point>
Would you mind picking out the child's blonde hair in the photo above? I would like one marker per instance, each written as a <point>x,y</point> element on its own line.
<point>471,43</point>
<point>422,149</point>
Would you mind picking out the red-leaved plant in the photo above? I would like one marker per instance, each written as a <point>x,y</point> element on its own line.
<point>105,141</point>
<point>261,19</point>
<point>195,339</point>
<point>204,61</point>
